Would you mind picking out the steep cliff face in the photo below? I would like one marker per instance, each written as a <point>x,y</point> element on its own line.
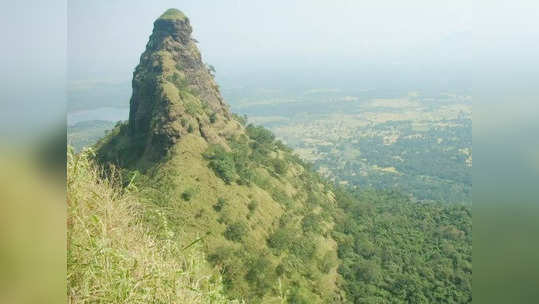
<point>174,92</point>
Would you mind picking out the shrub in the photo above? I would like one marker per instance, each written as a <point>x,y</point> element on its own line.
<point>280,196</point>
<point>369,272</point>
<point>224,168</point>
<point>188,194</point>
<point>221,162</point>
<point>300,295</point>
<point>221,255</point>
<point>192,108</point>
<point>252,206</point>
<point>282,146</point>
<point>280,270</point>
<point>178,80</point>
<point>261,275</point>
<point>280,166</point>
<point>328,261</point>
<point>260,134</point>
<point>241,119</point>
<point>282,238</point>
<point>312,223</point>
<point>221,203</point>
<point>304,248</point>
<point>236,231</point>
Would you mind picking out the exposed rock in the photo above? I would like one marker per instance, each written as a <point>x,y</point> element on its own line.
<point>174,93</point>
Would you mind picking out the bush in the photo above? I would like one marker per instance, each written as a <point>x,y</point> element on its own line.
<point>282,146</point>
<point>224,168</point>
<point>221,162</point>
<point>369,272</point>
<point>261,275</point>
<point>281,197</point>
<point>300,295</point>
<point>328,261</point>
<point>252,206</point>
<point>236,231</point>
<point>312,223</point>
<point>241,119</point>
<point>188,194</point>
<point>282,238</point>
<point>280,166</point>
<point>213,117</point>
<point>221,203</point>
<point>304,248</point>
<point>260,134</point>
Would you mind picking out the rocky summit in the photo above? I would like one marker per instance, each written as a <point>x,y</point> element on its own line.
<point>174,92</point>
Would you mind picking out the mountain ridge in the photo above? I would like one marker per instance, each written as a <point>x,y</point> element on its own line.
<point>174,92</point>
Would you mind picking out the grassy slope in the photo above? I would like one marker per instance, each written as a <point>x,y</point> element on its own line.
<point>383,240</point>
<point>189,172</point>
<point>185,189</point>
<point>121,250</point>
<point>298,267</point>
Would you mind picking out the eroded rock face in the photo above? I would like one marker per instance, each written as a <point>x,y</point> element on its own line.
<point>174,93</point>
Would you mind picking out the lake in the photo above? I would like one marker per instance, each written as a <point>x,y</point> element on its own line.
<point>104,113</point>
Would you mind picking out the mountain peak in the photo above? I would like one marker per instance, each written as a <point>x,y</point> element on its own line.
<point>172,23</point>
<point>174,94</point>
<point>173,14</point>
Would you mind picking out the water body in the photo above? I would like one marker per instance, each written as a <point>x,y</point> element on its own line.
<point>103,113</point>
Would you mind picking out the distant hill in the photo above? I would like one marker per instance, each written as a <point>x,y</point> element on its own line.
<point>88,95</point>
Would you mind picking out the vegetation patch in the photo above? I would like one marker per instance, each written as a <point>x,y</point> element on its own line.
<point>236,231</point>
<point>173,14</point>
<point>188,194</point>
<point>121,250</point>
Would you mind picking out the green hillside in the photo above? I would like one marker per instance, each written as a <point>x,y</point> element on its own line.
<point>184,178</point>
<point>120,248</point>
<point>263,217</point>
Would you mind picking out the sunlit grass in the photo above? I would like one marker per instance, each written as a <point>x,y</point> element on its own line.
<point>116,255</point>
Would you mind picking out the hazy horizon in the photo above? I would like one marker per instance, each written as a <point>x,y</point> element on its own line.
<point>349,42</point>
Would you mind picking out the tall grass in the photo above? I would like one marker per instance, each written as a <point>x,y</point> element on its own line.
<point>114,255</point>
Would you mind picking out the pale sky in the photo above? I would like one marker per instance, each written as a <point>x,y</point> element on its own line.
<point>106,38</point>
<point>493,43</point>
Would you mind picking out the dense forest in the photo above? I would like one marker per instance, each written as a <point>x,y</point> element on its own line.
<point>394,250</point>
<point>431,167</point>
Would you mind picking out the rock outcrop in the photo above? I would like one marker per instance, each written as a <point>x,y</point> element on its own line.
<point>174,92</point>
